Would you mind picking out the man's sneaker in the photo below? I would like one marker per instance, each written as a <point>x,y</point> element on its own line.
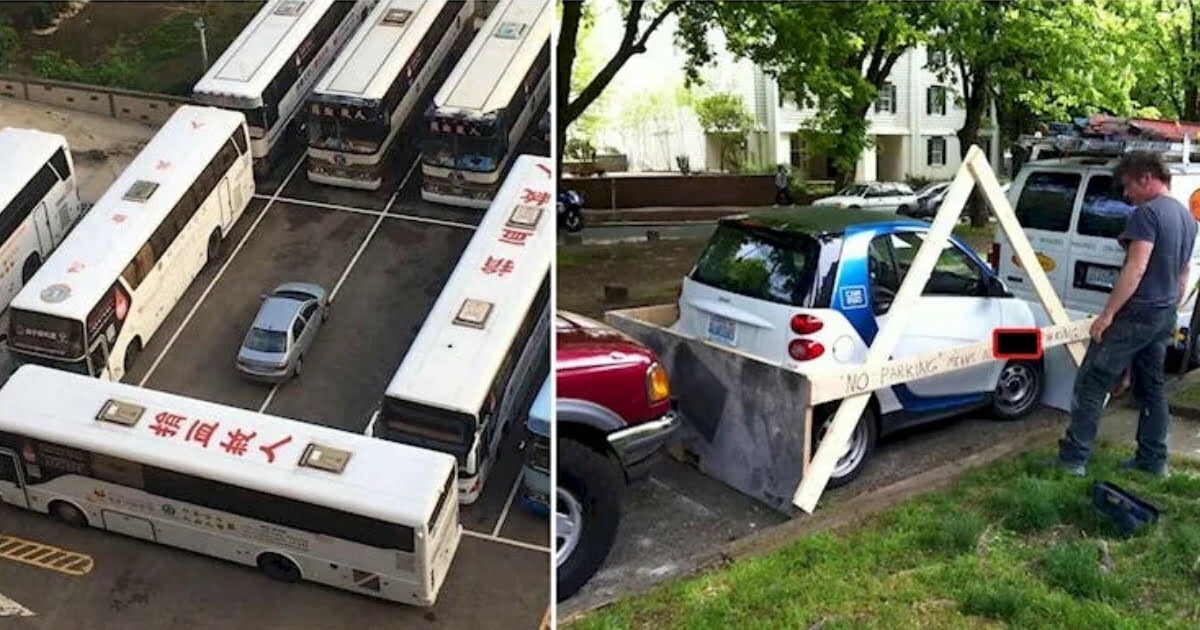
<point>1133,464</point>
<point>1077,470</point>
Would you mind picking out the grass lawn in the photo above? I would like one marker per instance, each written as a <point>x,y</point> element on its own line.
<point>149,46</point>
<point>1010,545</point>
<point>653,271</point>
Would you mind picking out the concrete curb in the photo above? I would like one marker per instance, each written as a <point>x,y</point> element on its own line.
<point>842,516</point>
<point>1184,410</point>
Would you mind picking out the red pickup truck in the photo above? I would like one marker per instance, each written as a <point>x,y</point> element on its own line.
<point>614,412</point>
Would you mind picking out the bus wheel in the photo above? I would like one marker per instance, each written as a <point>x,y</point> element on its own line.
<point>214,246</point>
<point>69,514</point>
<point>131,353</point>
<point>31,266</point>
<point>279,568</point>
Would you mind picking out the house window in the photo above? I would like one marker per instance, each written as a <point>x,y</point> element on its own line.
<point>886,102</point>
<point>935,152</point>
<point>937,58</point>
<point>797,157</point>
<point>935,100</point>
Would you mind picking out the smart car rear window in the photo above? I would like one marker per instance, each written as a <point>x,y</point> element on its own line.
<point>1047,199</point>
<point>783,267</point>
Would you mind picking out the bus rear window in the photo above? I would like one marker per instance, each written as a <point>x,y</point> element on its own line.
<point>427,423</point>
<point>782,267</point>
<point>39,332</point>
<point>1047,199</point>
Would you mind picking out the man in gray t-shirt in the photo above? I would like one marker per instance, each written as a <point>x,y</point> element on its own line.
<point>1139,319</point>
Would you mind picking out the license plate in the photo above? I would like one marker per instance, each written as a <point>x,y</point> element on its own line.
<point>1100,276</point>
<point>722,329</point>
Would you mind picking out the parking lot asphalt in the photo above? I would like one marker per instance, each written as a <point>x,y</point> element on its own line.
<point>386,255</point>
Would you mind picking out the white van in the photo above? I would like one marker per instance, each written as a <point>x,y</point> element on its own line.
<point>1072,210</point>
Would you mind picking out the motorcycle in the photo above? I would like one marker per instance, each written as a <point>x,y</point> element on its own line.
<point>570,210</point>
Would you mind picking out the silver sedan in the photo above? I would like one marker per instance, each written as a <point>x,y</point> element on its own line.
<point>286,325</point>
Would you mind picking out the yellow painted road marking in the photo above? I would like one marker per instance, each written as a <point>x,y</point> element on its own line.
<point>45,556</point>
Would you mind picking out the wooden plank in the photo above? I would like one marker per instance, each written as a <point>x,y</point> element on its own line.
<point>851,408</point>
<point>982,173</point>
<point>838,384</point>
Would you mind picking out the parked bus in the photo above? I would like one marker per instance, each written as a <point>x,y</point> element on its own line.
<point>484,349</point>
<point>40,203</point>
<point>483,109</point>
<point>98,299</point>
<point>357,110</point>
<point>273,63</point>
<point>297,500</point>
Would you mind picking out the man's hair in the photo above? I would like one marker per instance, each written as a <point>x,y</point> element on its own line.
<point>1139,163</point>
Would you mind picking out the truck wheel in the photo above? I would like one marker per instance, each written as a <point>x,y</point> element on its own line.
<point>1018,390</point>
<point>589,489</point>
<point>858,452</point>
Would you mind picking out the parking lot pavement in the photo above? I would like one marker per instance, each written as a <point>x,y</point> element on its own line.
<point>680,517</point>
<point>136,584</point>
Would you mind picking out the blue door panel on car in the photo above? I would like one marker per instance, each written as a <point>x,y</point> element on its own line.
<point>853,274</point>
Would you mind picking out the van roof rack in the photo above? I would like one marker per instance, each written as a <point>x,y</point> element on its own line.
<point>1110,136</point>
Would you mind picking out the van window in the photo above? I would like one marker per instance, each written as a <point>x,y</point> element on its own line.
<point>1047,199</point>
<point>1104,210</point>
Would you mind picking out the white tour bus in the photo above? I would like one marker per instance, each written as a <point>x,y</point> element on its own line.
<point>40,203</point>
<point>297,500</point>
<point>484,349</point>
<point>474,127</point>
<point>359,107</point>
<point>98,299</point>
<point>273,63</point>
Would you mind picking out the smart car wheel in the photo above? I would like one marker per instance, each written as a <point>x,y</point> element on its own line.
<point>588,509</point>
<point>573,220</point>
<point>1017,391</point>
<point>853,459</point>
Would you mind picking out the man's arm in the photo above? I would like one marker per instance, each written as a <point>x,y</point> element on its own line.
<point>1131,276</point>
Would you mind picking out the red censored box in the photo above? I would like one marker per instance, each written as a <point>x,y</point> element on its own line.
<point>1017,343</point>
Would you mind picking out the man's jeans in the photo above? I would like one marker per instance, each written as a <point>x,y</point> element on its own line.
<point>1140,336</point>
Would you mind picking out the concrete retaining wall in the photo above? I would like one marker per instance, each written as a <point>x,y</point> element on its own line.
<point>145,107</point>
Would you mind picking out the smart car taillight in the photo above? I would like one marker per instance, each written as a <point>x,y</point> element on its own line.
<point>804,324</point>
<point>994,257</point>
<point>805,349</point>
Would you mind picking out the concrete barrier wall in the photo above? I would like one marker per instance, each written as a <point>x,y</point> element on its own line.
<point>149,108</point>
<point>742,419</point>
<point>643,191</point>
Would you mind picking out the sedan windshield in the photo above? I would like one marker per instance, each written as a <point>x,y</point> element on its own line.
<point>263,340</point>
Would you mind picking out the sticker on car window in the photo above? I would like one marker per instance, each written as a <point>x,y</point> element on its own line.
<point>854,297</point>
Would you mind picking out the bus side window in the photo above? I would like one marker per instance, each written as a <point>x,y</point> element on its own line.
<point>59,162</point>
<point>8,469</point>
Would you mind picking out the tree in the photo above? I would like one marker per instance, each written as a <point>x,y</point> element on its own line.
<point>1162,40</point>
<point>724,117</point>
<point>834,56</point>
<point>569,104</point>
<point>1034,59</point>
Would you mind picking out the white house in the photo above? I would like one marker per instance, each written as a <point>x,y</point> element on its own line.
<point>913,123</point>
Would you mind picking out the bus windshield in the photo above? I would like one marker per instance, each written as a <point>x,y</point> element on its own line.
<point>46,334</point>
<point>341,134</point>
<point>482,155</point>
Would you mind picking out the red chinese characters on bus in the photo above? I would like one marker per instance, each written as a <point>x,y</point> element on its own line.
<point>498,266</point>
<point>536,197</point>
<point>514,237</point>
<point>236,442</point>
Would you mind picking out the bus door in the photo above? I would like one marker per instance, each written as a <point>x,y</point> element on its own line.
<point>12,482</point>
<point>98,358</point>
<point>41,224</point>
<point>226,204</point>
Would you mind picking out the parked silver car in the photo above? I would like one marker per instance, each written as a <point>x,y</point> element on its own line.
<point>282,332</point>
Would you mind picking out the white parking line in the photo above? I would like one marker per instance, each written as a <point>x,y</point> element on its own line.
<point>375,213</point>
<point>505,541</point>
<point>10,608</point>
<point>220,272</point>
<point>270,396</point>
<point>374,228</point>
<point>507,504</point>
